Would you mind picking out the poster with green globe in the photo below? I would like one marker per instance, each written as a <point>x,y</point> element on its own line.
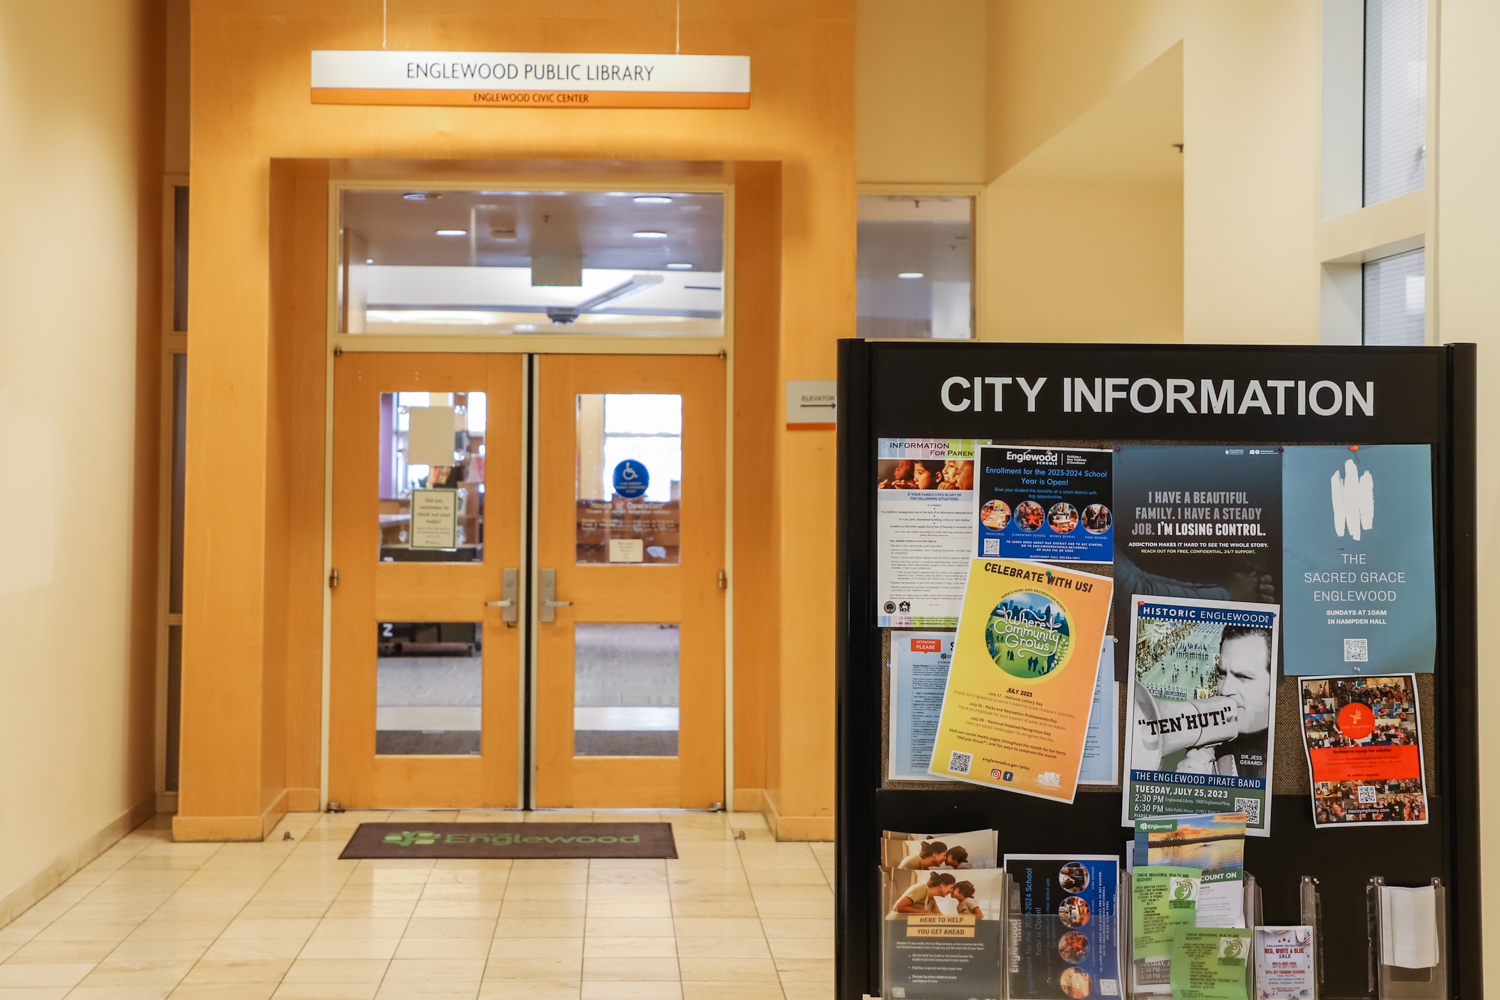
<point>1016,706</point>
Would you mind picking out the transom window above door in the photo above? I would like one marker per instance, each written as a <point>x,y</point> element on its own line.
<point>501,262</point>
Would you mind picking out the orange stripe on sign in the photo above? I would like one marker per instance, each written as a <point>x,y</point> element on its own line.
<point>811,427</point>
<point>525,98</point>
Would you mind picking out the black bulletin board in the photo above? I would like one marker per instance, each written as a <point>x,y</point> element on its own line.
<point>1421,395</point>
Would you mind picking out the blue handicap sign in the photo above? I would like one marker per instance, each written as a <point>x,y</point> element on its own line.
<point>631,479</point>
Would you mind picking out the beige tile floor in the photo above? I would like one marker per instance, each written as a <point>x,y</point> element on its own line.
<point>729,919</point>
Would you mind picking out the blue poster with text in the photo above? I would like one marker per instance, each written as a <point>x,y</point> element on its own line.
<point>1035,502</point>
<point>1357,553</point>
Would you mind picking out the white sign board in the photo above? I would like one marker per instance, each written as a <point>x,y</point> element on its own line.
<point>429,435</point>
<point>530,79</point>
<point>811,404</point>
<point>434,519</point>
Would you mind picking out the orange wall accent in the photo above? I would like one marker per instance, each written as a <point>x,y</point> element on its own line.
<point>249,530</point>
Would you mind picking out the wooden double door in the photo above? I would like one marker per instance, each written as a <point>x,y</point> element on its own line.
<point>530,603</point>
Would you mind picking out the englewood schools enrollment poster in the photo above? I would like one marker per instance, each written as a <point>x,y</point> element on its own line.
<point>1360,596</point>
<point>1195,521</point>
<point>1069,946</point>
<point>1016,709</point>
<point>1043,503</point>
<point>924,495</point>
<point>1364,750</point>
<point>1201,710</point>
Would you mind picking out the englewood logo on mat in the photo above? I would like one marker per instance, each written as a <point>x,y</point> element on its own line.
<point>424,838</point>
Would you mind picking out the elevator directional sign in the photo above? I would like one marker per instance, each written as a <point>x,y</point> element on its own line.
<point>631,479</point>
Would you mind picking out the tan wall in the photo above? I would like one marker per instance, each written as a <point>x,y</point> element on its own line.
<point>250,101</point>
<point>920,81</point>
<point>1250,93</point>
<point>1468,219</point>
<point>79,379</point>
<point>1083,264</point>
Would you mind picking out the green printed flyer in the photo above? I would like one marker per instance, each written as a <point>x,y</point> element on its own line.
<point>1210,963</point>
<point>1163,900</point>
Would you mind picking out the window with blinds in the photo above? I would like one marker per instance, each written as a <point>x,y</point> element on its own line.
<point>1395,98</point>
<point>1395,300</point>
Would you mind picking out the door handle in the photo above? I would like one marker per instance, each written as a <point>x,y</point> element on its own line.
<point>509,612</point>
<point>549,600</point>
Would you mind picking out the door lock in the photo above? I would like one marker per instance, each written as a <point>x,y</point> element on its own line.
<point>549,601</point>
<point>509,609</point>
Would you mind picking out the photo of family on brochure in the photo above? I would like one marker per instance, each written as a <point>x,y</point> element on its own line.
<point>1364,750</point>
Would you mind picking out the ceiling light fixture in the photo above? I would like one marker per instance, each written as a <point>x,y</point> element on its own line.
<point>679,267</point>
<point>369,260</point>
<point>652,199</point>
<point>453,232</point>
<point>649,234</point>
<point>421,196</point>
<point>910,274</point>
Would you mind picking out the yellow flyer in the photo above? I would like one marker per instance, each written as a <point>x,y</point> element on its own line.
<point>1016,708</point>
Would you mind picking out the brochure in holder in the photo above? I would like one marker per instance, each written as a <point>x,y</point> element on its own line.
<point>942,934</point>
<point>1408,940</point>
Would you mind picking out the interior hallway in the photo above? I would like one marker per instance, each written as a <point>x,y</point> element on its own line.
<point>287,919</point>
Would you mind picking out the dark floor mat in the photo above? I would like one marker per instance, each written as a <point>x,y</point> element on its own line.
<point>511,840</point>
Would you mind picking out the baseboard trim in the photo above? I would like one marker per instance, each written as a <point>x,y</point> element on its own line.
<point>195,828</point>
<point>272,814</point>
<point>794,827</point>
<point>24,896</point>
<point>804,828</point>
<point>749,800</point>
<point>303,800</point>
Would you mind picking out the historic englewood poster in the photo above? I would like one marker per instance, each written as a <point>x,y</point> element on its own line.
<point>924,500</point>
<point>1364,750</point>
<point>1196,521</point>
<point>1200,723</point>
<point>1043,503</point>
<point>1358,557</point>
<point>1016,709</point>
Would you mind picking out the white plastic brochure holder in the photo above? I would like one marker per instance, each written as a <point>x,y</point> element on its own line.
<point>1408,940</point>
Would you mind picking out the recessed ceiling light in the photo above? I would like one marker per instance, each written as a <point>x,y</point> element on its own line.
<point>649,234</point>
<point>910,274</point>
<point>421,196</point>
<point>679,267</point>
<point>453,232</point>
<point>653,199</point>
<point>369,260</point>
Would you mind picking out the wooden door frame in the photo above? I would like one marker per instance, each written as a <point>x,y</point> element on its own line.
<point>336,343</point>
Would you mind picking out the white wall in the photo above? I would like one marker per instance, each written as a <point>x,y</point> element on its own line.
<point>74,704</point>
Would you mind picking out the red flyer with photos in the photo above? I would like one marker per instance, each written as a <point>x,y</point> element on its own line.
<point>1364,750</point>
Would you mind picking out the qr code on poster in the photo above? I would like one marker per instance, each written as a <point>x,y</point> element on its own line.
<point>1250,807</point>
<point>1356,650</point>
<point>958,763</point>
<point>992,546</point>
<point>1367,795</point>
<point>899,992</point>
<point>1109,987</point>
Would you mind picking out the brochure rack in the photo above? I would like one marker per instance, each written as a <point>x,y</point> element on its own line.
<point>1389,977</point>
<point>1421,396</point>
<point>1312,916</point>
